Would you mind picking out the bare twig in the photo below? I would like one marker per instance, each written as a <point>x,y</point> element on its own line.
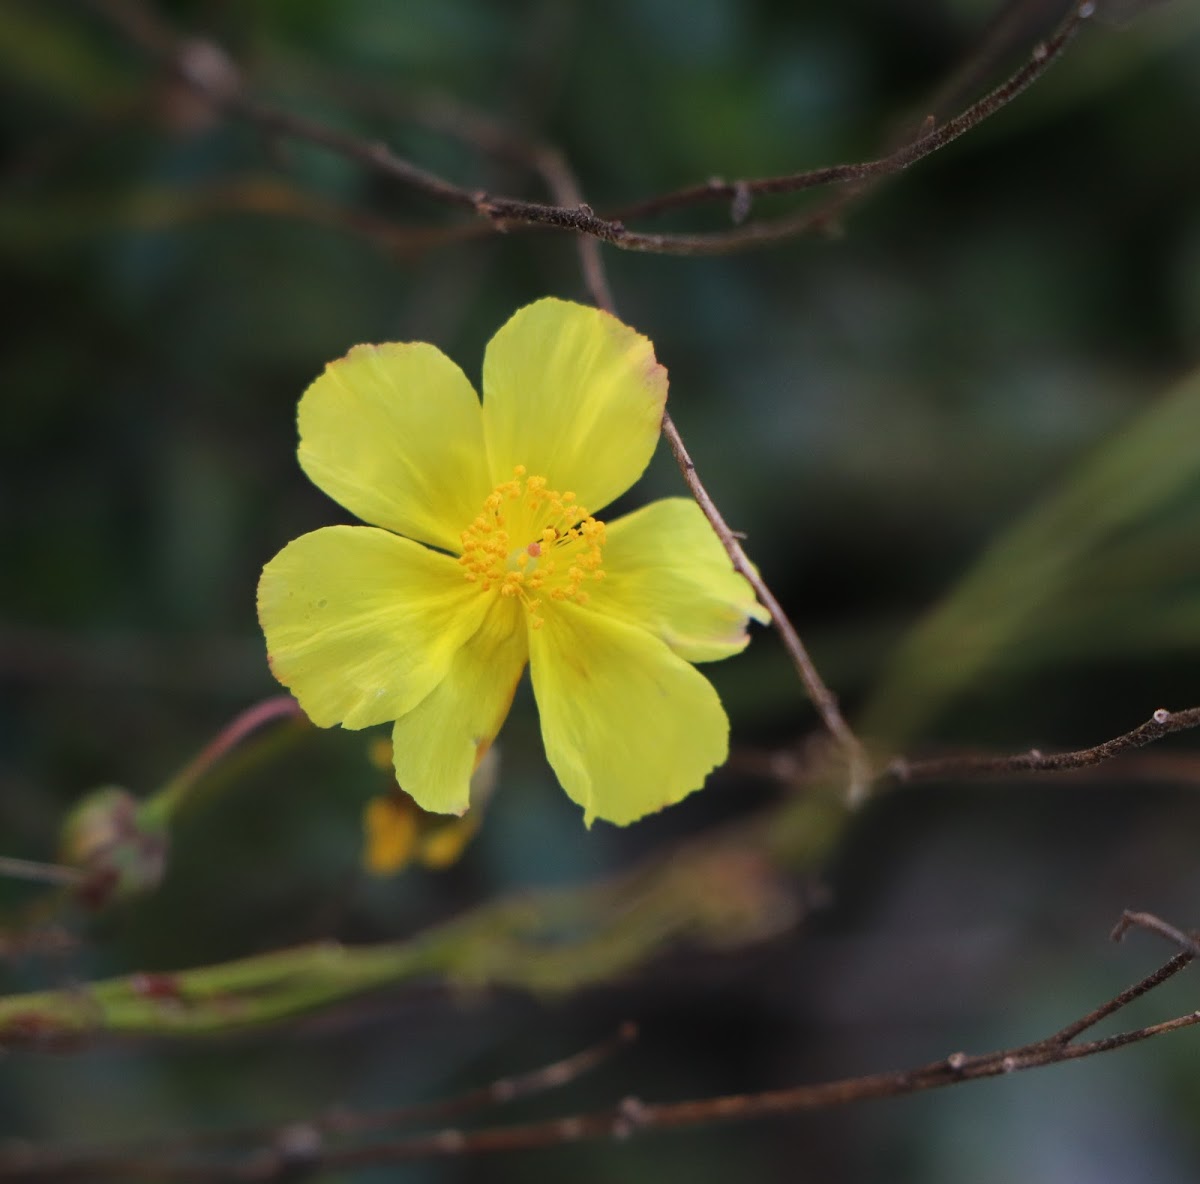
<point>274,1142</point>
<point>42,873</point>
<point>684,897</point>
<point>303,1150</point>
<point>1044,54</point>
<point>206,69</point>
<point>548,162</point>
<point>507,1089</point>
<point>1186,942</point>
<point>1161,723</point>
<point>820,695</point>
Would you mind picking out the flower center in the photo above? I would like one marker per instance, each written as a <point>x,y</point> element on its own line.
<point>532,542</point>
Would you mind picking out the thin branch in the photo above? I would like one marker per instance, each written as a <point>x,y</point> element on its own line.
<point>1014,24</point>
<point>506,1089</point>
<point>704,891</point>
<point>499,139</point>
<point>210,72</point>
<point>1186,942</point>
<point>41,873</point>
<point>1043,55</point>
<point>276,1142</point>
<point>304,1151</point>
<point>38,939</point>
<point>1161,723</point>
<point>168,799</point>
<point>820,695</point>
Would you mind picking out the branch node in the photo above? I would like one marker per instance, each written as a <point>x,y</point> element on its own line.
<point>450,1140</point>
<point>298,1143</point>
<point>1162,716</point>
<point>205,66</point>
<point>739,208</point>
<point>632,1115</point>
<point>955,1061</point>
<point>505,1090</point>
<point>1131,919</point>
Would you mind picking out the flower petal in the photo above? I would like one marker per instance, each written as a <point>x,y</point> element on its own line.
<point>575,396</point>
<point>629,727</point>
<point>361,624</point>
<point>390,834</point>
<point>394,433</point>
<point>666,571</point>
<point>438,744</point>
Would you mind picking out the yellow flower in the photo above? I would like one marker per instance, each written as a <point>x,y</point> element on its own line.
<point>397,831</point>
<point>484,555</point>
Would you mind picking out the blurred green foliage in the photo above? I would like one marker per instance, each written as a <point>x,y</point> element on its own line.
<point>986,343</point>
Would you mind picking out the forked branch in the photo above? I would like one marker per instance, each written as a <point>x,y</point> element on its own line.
<point>210,72</point>
<point>303,1148</point>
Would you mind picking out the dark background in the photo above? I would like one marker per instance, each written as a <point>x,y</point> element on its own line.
<point>872,408</point>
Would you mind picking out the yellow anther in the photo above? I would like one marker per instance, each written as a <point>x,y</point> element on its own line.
<point>546,549</point>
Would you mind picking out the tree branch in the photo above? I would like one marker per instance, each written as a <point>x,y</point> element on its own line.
<point>821,697</point>
<point>211,73</point>
<point>706,892</point>
<point>1161,723</point>
<point>307,1151</point>
<point>1044,55</point>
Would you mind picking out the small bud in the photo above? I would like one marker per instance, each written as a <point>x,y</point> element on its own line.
<point>120,855</point>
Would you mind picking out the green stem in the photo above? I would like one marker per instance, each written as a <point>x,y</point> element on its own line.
<point>156,811</point>
<point>708,893</point>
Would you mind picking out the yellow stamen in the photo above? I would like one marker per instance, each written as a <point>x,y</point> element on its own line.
<point>546,544</point>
